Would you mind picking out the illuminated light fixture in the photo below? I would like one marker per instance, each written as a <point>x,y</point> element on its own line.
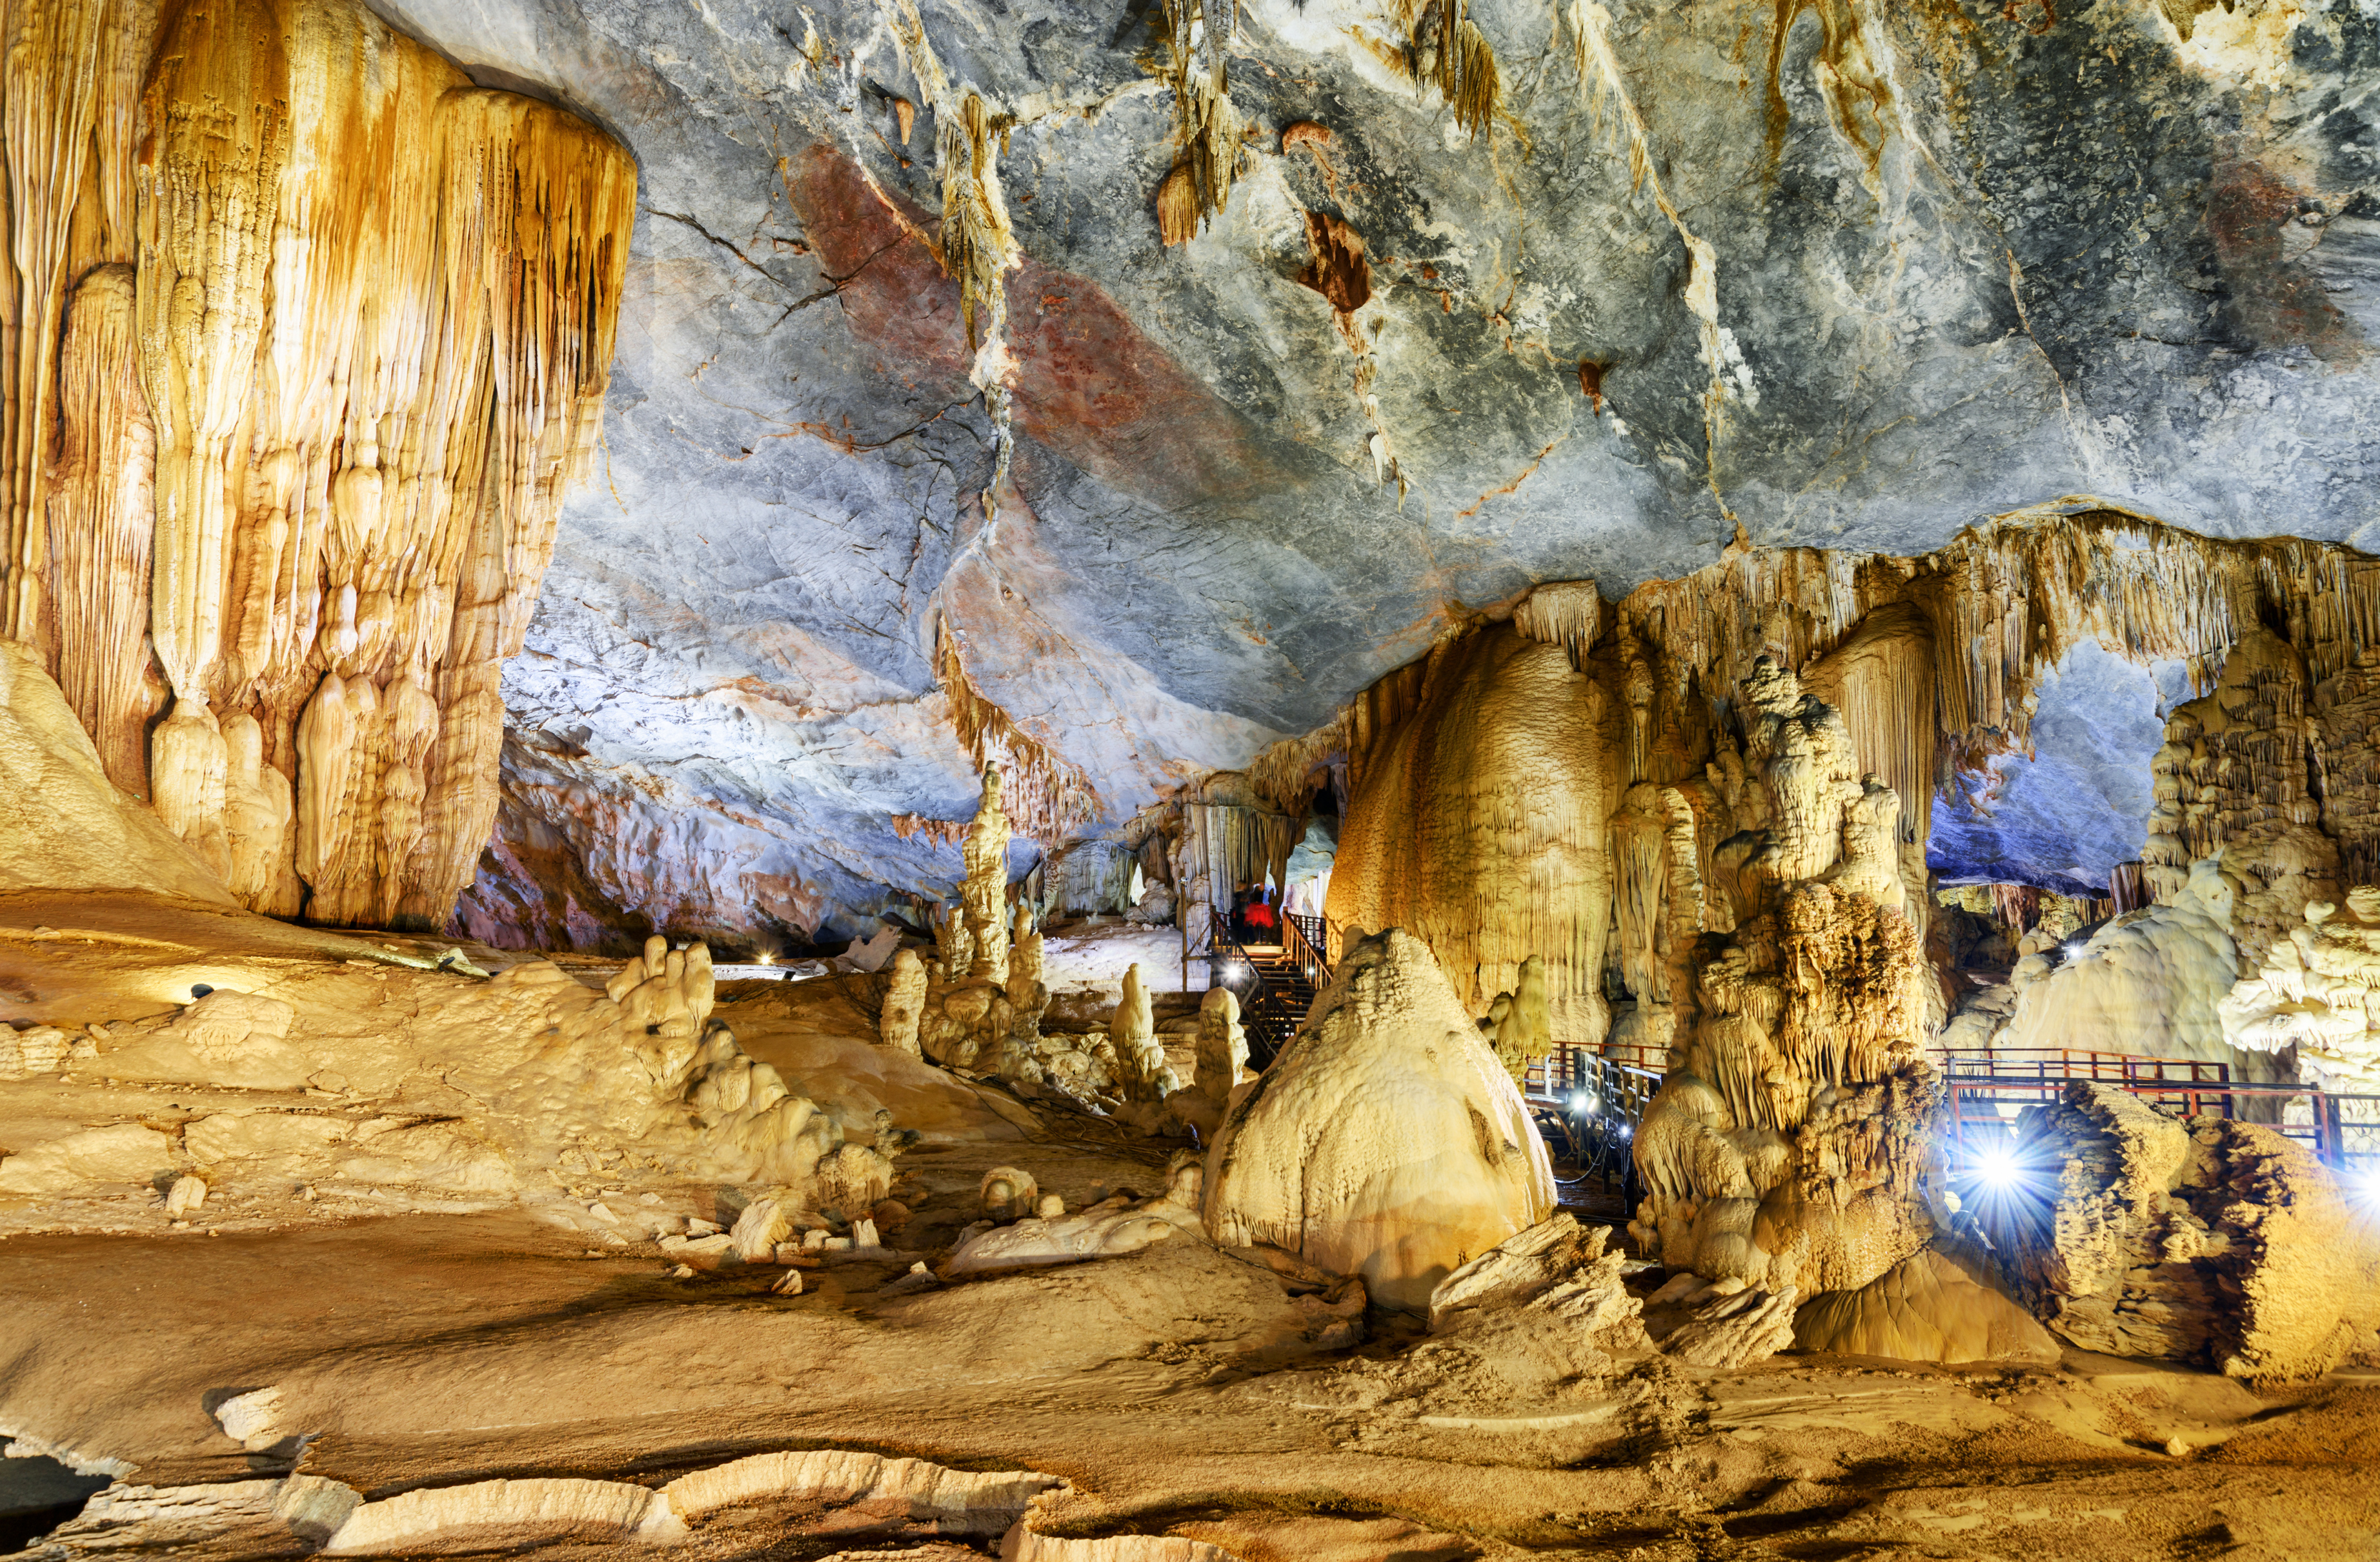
<point>1582,1103</point>
<point>768,956</point>
<point>2362,1185</point>
<point>1995,1166</point>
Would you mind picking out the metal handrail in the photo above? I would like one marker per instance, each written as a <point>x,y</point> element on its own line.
<point>1270,1015</point>
<point>1597,1105</point>
<point>1298,948</point>
<point>2333,1137</point>
<point>2076,1063</point>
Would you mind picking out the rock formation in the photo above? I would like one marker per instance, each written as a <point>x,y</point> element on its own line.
<point>2318,992</point>
<point>1519,1024</point>
<point>1222,1073</point>
<point>66,824</point>
<point>1385,1140</point>
<point>1141,1070</point>
<point>1123,1222</point>
<point>1937,1306</point>
<point>1557,1265</point>
<point>983,898</point>
<point>2217,1243</point>
<point>904,1002</point>
<point>327,500</point>
<point>1785,1145</point>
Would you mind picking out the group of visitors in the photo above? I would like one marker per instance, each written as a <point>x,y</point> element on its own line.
<point>1256,914</point>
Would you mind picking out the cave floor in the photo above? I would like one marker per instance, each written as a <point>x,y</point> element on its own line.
<point>430,1350</point>
<point>1180,1391</point>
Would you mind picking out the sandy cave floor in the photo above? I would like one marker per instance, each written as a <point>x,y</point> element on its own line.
<point>1176,1390</point>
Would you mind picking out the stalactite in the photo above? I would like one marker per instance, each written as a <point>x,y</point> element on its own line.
<point>1229,838</point>
<point>1047,797</point>
<point>1881,680</point>
<point>1205,126</point>
<point>102,513</point>
<point>977,247</point>
<point>2234,781</point>
<point>376,310</point>
<point>1445,48</point>
<point>210,178</point>
<point>51,70</point>
<point>944,832</point>
<point>1563,613</point>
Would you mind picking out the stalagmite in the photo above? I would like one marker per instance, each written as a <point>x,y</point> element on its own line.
<point>983,899</point>
<point>1385,1140</point>
<point>1141,1071</point>
<point>904,1002</point>
<point>1784,1147</point>
<point>1222,1047</point>
<point>1520,1023</point>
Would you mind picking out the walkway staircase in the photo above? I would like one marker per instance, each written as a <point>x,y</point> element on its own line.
<point>1276,982</point>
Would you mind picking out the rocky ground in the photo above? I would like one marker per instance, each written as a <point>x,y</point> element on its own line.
<point>374,1339</point>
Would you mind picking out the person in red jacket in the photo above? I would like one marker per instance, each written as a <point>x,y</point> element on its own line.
<point>1264,922</point>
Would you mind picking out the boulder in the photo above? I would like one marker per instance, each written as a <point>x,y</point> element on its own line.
<point>1936,1307</point>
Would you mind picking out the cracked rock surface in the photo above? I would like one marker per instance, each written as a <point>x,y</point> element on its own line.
<point>1886,271</point>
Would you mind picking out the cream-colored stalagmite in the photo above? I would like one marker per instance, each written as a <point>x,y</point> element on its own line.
<point>1386,1141</point>
<point>1519,1025</point>
<point>1784,1147</point>
<point>983,899</point>
<point>905,1002</point>
<point>1141,1073</point>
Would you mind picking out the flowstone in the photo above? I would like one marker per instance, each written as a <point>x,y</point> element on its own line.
<point>1123,1222</point>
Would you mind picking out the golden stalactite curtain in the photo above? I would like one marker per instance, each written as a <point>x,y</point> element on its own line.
<point>303,339</point>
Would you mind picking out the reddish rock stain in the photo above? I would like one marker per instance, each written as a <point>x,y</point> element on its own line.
<point>1089,383</point>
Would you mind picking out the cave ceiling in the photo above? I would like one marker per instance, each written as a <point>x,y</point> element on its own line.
<point>1838,274</point>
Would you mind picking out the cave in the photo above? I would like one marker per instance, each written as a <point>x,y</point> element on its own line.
<point>1310,781</point>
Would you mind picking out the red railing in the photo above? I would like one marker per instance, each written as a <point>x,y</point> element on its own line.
<point>2334,1136</point>
<point>2076,1063</point>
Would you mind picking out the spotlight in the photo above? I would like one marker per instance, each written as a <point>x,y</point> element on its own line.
<point>1582,1103</point>
<point>768,956</point>
<point>1995,1166</point>
<point>1627,1131</point>
<point>2362,1185</point>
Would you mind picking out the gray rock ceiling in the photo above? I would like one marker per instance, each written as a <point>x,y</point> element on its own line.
<point>1963,258</point>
